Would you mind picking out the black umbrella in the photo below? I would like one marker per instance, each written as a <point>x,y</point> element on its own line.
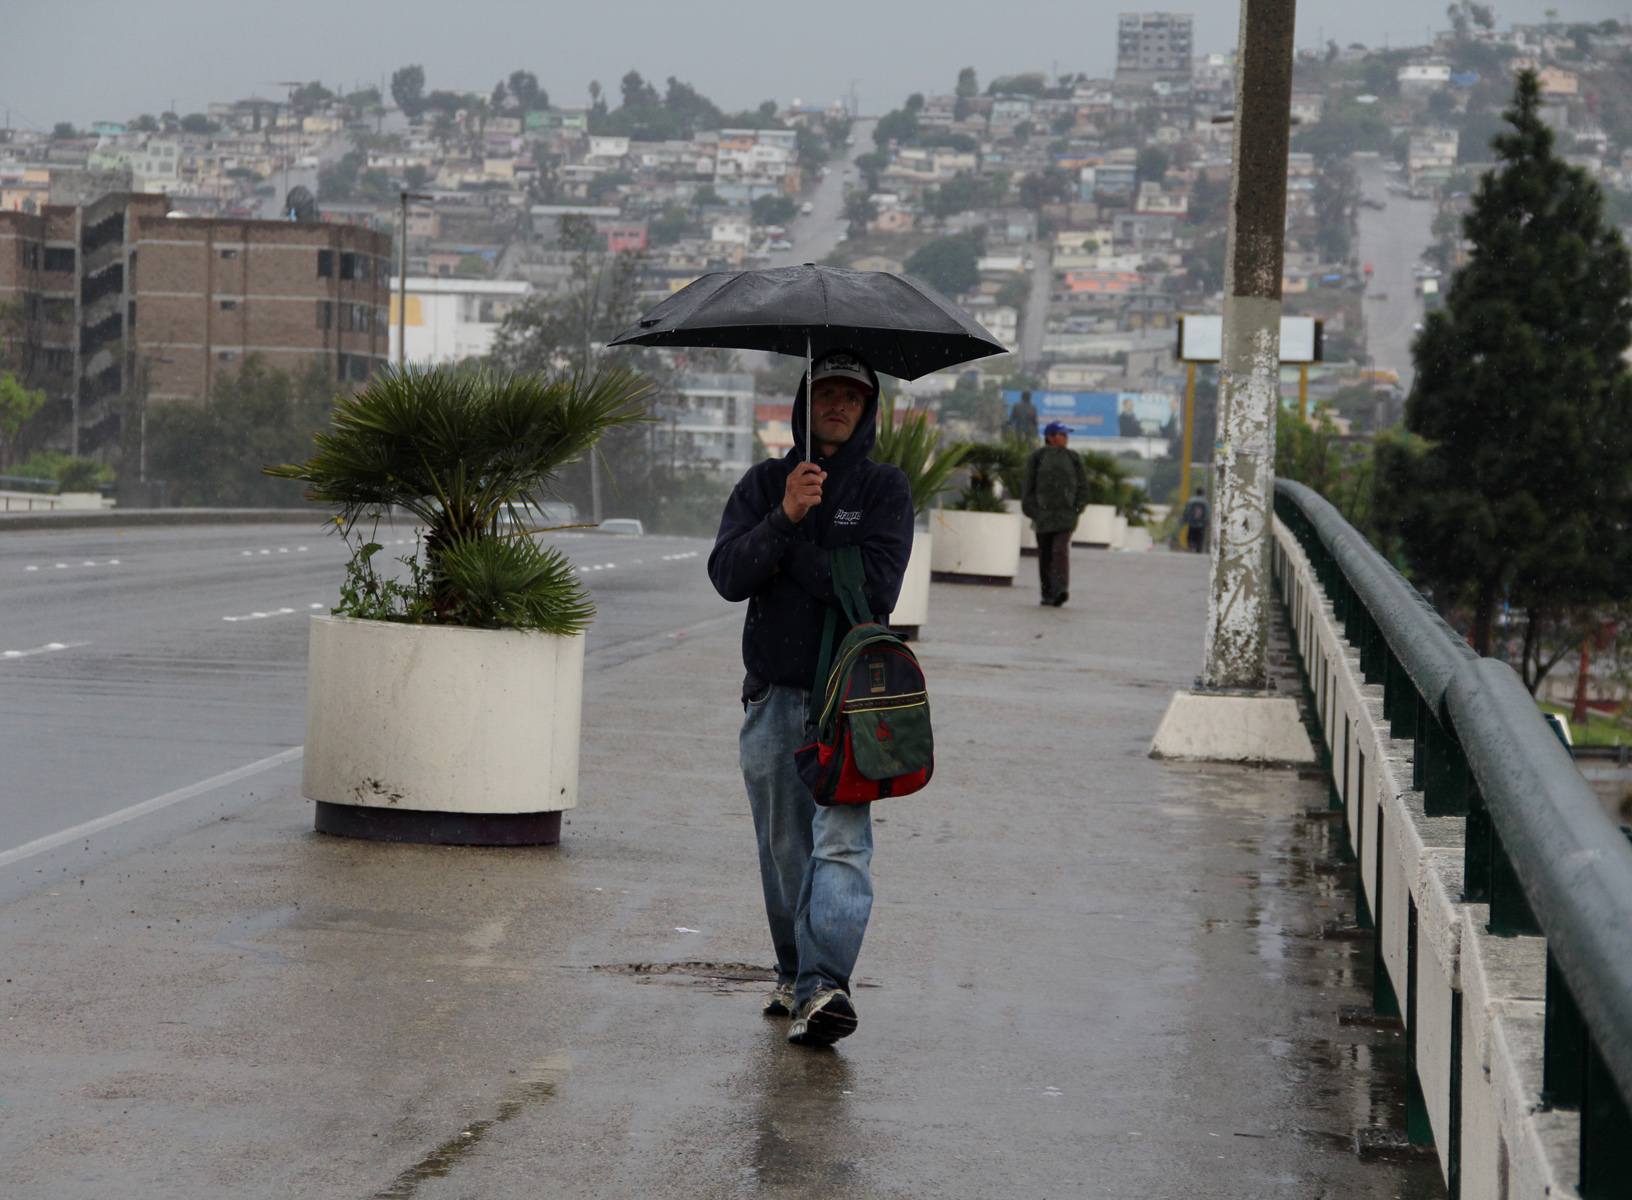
<point>900,326</point>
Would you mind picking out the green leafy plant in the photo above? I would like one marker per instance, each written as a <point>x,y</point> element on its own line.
<point>913,444</point>
<point>462,452</point>
<point>988,464</point>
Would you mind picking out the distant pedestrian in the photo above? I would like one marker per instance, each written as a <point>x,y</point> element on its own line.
<point>783,518</point>
<point>1194,519</point>
<point>1023,417</point>
<point>1055,493</point>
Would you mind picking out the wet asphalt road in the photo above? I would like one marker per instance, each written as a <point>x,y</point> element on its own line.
<point>1089,974</point>
<point>137,662</point>
<point>1392,240</point>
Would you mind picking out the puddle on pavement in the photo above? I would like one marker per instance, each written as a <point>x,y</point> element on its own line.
<point>804,1143</point>
<point>539,1084</point>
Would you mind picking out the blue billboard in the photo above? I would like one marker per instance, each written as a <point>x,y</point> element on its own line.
<point>1105,414</point>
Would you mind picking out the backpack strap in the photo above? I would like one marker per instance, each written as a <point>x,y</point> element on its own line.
<point>849,579</point>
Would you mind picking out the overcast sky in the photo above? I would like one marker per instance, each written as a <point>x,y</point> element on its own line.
<point>86,60</point>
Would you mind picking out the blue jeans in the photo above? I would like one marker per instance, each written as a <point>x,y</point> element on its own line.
<point>813,861</point>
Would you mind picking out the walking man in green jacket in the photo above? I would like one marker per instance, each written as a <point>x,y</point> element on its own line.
<point>1055,493</point>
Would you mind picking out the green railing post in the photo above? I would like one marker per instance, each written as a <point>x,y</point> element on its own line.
<point>1510,914</point>
<point>1606,1134</point>
<point>1564,1043</point>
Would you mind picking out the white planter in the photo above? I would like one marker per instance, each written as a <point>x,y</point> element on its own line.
<point>979,546</point>
<point>1119,533</point>
<point>912,605</point>
<point>1028,535</point>
<point>1137,539</point>
<point>467,727</point>
<point>1096,526</point>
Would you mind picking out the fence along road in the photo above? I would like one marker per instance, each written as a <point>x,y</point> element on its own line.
<point>1500,891</point>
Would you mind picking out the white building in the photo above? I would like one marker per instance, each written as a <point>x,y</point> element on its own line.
<point>710,425</point>
<point>1424,77</point>
<point>452,319</point>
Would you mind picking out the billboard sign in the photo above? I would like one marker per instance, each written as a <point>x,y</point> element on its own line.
<point>1201,339</point>
<point>1105,414</point>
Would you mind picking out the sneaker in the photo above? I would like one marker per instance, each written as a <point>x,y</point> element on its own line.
<point>780,1002</point>
<point>826,1017</point>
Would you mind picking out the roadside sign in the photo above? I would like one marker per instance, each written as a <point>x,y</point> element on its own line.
<point>1201,339</point>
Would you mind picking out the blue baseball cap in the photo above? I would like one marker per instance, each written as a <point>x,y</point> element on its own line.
<point>1054,427</point>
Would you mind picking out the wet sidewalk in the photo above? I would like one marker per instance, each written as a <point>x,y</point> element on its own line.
<point>1089,974</point>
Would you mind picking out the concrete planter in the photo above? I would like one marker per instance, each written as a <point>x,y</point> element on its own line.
<point>1137,539</point>
<point>1096,526</point>
<point>435,733</point>
<point>1028,535</point>
<point>975,547</point>
<point>1119,533</point>
<point>912,605</point>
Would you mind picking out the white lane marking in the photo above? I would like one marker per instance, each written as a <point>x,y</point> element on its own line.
<point>263,552</point>
<point>89,562</point>
<point>314,606</point>
<point>258,616</point>
<point>72,834</point>
<point>676,557</point>
<point>61,565</point>
<point>45,649</point>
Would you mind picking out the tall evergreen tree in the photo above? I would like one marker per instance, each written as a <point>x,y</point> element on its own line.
<point>1521,484</point>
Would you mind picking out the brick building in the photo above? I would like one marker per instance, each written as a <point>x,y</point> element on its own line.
<point>209,292</point>
<point>94,292</point>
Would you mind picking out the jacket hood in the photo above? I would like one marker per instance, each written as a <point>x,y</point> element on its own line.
<point>857,448</point>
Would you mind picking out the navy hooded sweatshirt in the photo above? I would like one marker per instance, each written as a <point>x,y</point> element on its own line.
<point>864,503</point>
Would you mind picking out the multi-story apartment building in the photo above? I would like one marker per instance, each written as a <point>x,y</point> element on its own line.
<point>109,296</point>
<point>209,292</point>
<point>710,424</point>
<point>1151,46</point>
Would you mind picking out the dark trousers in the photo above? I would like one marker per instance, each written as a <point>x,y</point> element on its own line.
<point>1197,536</point>
<point>1054,563</point>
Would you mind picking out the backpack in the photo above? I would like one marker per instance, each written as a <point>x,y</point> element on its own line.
<point>1195,514</point>
<point>871,720</point>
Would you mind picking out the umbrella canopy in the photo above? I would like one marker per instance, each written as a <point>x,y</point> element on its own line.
<point>900,326</point>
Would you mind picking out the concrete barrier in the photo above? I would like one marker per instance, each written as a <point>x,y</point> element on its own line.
<point>1472,1003</point>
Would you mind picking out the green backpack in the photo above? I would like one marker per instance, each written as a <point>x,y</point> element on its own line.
<point>872,730</point>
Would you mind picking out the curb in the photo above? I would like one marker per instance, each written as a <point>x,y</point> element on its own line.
<point>166,516</point>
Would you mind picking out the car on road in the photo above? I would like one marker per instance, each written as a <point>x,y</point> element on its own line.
<point>807,208</point>
<point>626,525</point>
<point>1368,202</point>
<point>781,244</point>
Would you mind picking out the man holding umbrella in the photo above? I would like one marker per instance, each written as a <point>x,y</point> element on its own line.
<point>783,518</point>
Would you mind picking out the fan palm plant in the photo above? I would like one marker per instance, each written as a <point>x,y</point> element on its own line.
<point>912,443</point>
<point>460,451</point>
<point>1108,483</point>
<point>988,464</point>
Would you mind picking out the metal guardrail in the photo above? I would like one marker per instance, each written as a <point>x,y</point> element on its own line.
<point>1540,850</point>
<point>22,483</point>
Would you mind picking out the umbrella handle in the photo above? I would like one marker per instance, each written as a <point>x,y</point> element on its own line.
<point>809,410</point>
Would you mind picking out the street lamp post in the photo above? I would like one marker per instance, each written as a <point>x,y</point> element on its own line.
<point>402,285</point>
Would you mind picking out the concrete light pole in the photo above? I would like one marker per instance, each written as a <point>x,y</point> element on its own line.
<point>1231,716</point>
<point>1236,653</point>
